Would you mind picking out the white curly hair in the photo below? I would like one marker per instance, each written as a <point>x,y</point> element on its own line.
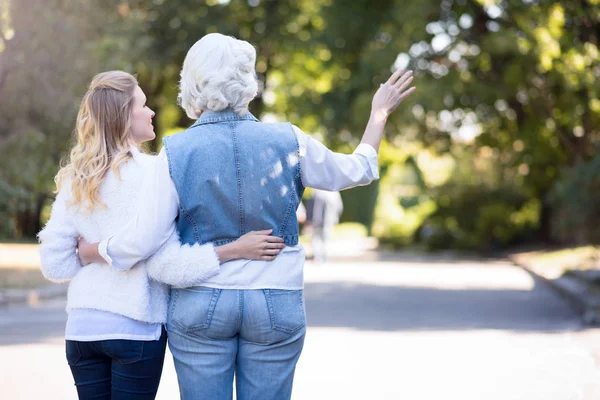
<point>218,73</point>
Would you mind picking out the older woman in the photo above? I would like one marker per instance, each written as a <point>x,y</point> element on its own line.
<point>225,175</point>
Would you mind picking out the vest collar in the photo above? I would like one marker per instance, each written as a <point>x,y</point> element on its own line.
<point>209,117</point>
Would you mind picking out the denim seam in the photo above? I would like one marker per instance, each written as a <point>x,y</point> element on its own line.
<point>221,242</point>
<point>267,293</point>
<point>92,382</point>
<point>210,120</point>
<point>166,146</point>
<point>299,172</point>
<point>240,309</point>
<point>290,240</point>
<point>78,352</point>
<point>239,179</point>
<point>173,320</point>
<point>212,306</point>
<point>294,192</point>
<point>181,207</point>
<point>192,221</point>
<point>287,213</point>
<point>97,346</point>
<point>298,178</point>
<point>174,301</point>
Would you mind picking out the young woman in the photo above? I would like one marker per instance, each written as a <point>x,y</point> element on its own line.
<point>115,340</point>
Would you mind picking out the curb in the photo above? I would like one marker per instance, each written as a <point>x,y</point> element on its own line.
<point>32,296</point>
<point>582,293</point>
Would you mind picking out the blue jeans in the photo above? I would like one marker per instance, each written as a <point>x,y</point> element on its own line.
<point>258,334</point>
<point>117,369</point>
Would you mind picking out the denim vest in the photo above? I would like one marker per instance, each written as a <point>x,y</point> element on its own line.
<point>233,175</point>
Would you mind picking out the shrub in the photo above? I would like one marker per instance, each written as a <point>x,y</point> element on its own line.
<point>473,217</point>
<point>575,201</point>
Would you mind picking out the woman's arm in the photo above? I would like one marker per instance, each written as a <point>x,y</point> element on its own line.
<point>184,265</point>
<point>324,169</point>
<point>387,98</point>
<point>58,243</point>
<point>151,226</point>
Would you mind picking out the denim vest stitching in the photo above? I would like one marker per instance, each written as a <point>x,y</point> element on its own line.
<point>166,146</point>
<point>299,174</point>
<point>297,178</point>
<point>221,118</point>
<point>192,221</point>
<point>287,216</point>
<point>182,209</point>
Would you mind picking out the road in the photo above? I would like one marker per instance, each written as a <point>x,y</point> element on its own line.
<point>412,327</point>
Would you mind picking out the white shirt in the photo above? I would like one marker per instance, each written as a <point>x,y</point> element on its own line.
<point>320,168</point>
<point>89,325</point>
<point>104,303</point>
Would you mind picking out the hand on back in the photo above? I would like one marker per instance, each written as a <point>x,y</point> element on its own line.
<point>260,245</point>
<point>88,252</point>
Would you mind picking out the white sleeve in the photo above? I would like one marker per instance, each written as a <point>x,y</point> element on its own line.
<point>183,265</point>
<point>58,242</point>
<point>153,224</point>
<point>321,168</point>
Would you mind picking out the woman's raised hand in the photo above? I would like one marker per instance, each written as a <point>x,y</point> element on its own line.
<point>259,245</point>
<point>390,94</point>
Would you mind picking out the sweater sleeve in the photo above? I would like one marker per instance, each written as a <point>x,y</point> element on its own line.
<point>58,243</point>
<point>183,265</point>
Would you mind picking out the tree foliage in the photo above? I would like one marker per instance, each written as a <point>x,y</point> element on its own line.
<point>524,75</point>
<point>513,83</point>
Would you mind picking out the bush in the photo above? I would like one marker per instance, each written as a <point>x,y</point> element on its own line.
<point>359,204</point>
<point>473,217</point>
<point>9,206</point>
<point>350,230</point>
<point>25,186</point>
<point>399,228</point>
<point>575,201</point>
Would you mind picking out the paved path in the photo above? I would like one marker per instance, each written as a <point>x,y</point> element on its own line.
<point>413,328</point>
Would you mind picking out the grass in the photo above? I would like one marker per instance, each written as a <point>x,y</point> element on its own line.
<point>19,266</point>
<point>583,257</point>
<point>20,241</point>
<point>554,263</point>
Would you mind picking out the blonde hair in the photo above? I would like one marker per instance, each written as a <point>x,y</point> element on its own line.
<point>102,131</point>
<point>218,73</point>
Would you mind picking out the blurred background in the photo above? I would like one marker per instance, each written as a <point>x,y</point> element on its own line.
<point>498,146</point>
<point>496,153</point>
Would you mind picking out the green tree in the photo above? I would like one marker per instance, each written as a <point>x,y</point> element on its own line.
<point>524,75</point>
<point>47,57</point>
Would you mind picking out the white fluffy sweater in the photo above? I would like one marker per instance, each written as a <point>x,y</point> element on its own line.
<point>141,292</point>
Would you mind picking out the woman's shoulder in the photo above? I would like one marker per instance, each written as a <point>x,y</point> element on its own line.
<point>145,159</point>
<point>140,162</point>
<point>65,193</point>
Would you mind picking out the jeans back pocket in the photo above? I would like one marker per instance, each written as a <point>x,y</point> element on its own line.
<point>123,351</point>
<point>192,308</point>
<point>72,351</point>
<point>286,309</point>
